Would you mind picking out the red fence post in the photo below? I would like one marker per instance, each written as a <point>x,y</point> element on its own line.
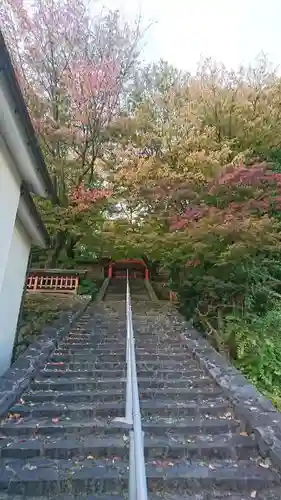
<point>110,271</point>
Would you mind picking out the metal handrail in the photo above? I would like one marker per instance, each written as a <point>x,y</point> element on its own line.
<point>137,473</point>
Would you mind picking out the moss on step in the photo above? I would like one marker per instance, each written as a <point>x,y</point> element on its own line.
<point>38,311</point>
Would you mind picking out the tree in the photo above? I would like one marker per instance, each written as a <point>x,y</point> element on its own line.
<point>184,129</point>
<point>207,204</point>
<point>73,69</point>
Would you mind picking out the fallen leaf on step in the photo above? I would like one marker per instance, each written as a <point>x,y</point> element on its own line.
<point>29,467</point>
<point>253,494</point>
<point>55,420</point>
<point>264,465</point>
<point>14,416</point>
<point>244,434</point>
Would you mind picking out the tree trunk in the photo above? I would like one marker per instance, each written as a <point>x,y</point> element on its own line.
<point>70,247</point>
<point>57,248</point>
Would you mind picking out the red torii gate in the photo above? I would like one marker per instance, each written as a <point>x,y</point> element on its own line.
<point>126,264</point>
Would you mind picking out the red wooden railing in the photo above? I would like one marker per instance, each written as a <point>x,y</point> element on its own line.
<point>54,284</point>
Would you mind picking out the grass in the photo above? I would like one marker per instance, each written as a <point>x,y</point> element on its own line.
<point>40,310</point>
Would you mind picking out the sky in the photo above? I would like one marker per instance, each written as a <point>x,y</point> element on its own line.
<point>231,31</point>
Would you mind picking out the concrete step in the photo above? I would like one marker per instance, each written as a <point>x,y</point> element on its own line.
<point>162,350</point>
<point>85,365</point>
<point>207,393</point>
<point>108,348</point>
<point>102,335</point>
<point>272,494</point>
<point>77,383</point>
<point>43,476</point>
<point>118,345</point>
<point>159,364</point>
<point>57,372</point>
<point>112,409</point>
<point>62,496</point>
<point>189,427</point>
<point>74,396</point>
<point>161,374</point>
<point>118,365</point>
<point>268,494</point>
<point>107,409</point>
<point>143,338</point>
<point>112,296</point>
<point>169,374</point>
<point>89,354</point>
<point>194,476</point>
<point>203,448</point>
<point>215,494</point>
<point>92,346</point>
<point>104,342</point>
<point>80,383</point>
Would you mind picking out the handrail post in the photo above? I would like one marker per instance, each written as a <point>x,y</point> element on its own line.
<point>132,468</point>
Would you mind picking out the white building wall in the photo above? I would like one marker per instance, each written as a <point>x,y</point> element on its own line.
<point>11,292</point>
<point>9,200</point>
<point>13,131</point>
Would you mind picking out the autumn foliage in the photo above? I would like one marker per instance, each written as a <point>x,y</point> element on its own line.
<point>199,167</point>
<point>184,169</point>
<point>73,63</point>
<point>83,198</point>
<point>237,191</point>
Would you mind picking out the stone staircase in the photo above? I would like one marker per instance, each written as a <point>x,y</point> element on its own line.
<point>117,290</point>
<point>59,440</point>
<point>198,449</point>
<point>138,290</point>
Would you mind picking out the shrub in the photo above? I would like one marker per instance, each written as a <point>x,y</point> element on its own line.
<point>88,287</point>
<point>259,349</point>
